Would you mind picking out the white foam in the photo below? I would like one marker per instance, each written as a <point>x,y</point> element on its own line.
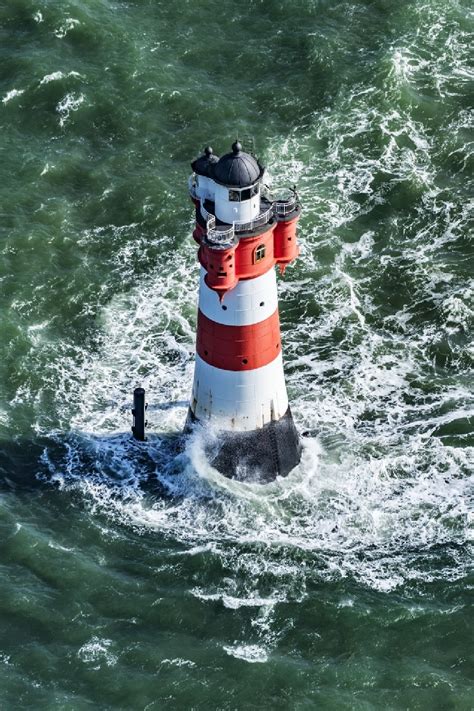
<point>69,24</point>
<point>232,602</point>
<point>56,76</point>
<point>179,662</point>
<point>251,653</point>
<point>12,95</point>
<point>97,652</point>
<point>70,102</point>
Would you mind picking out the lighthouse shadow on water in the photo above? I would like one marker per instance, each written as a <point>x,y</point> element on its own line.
<point>112,459</point>
<point>163,466</point>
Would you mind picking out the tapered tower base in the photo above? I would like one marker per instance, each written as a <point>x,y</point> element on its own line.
<point>259,455</point>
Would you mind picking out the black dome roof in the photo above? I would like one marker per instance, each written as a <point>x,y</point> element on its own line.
<point>202,165</point>
<point>237,169</point>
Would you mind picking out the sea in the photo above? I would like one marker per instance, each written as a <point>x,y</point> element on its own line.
<point>133,575</point>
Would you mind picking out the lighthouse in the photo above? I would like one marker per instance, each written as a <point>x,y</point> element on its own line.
<point>239,391</point>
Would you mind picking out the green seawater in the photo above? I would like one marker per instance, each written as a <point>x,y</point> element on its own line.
<point>135,576</point>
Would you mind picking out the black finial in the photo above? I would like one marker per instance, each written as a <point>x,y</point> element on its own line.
<point>236,147</point>
<point>208,151</point>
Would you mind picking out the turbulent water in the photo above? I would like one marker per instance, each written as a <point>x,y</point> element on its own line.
<point>135,576</point>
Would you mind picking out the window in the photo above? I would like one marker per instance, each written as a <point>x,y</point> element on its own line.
<point>245,194</point>
<point>259,253</point>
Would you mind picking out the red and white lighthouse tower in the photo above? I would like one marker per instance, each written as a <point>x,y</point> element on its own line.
<point>239,386</point>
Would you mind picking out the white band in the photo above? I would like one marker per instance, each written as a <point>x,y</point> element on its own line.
<point>239,400</point>
<point>251,301</point>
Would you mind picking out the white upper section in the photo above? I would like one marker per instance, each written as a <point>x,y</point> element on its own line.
<point>204,188</point>
<point>241,400</point>
<point>251,301</point>
<point>229,210</point>
<point>239,205</point>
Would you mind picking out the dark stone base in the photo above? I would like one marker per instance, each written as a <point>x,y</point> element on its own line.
<point>260,455</point>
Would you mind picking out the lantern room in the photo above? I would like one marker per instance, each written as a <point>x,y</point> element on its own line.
<point>231,183</point>
<point>237,177</point>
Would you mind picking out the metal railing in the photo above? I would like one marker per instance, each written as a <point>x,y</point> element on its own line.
<point>284,207</point>
<point>261,219</point>
<point>221,237</point>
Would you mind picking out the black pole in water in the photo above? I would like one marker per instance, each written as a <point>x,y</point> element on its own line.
<point>138,412</point>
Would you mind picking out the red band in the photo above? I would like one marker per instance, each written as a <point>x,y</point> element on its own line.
<point>238,347</point>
